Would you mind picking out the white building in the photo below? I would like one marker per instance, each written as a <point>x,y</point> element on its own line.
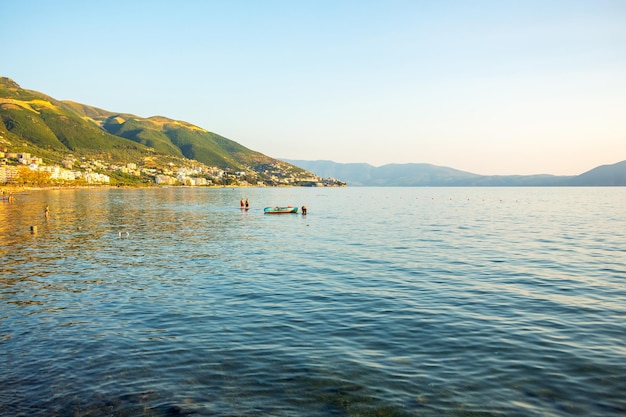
<point>164,179</point>
<point>94,177</point>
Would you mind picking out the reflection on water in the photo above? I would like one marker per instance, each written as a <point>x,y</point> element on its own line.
<point>381,301</point>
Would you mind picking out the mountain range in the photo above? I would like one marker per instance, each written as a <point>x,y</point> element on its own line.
<point>33,122</point>
<point>361,174</point>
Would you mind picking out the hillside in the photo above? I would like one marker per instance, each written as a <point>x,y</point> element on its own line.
<point>432,175</point>
<point>33,122</point>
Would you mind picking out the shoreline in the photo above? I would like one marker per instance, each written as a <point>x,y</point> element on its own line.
<point>16,189</point>
<point>8,189</point>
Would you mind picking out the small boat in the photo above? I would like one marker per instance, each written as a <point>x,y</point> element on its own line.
<point>280,210</point>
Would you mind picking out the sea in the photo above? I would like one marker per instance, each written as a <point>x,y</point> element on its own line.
<point>377,302</point>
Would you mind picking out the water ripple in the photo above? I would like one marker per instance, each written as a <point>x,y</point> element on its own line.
<point>398,302</point>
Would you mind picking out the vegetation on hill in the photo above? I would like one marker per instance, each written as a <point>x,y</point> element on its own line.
<point>141,132</point>
<point>34,122</point>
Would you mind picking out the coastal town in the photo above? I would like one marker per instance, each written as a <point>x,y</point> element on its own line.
<point>22,168</point>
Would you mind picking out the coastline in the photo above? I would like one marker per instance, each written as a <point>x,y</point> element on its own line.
<point>8,189</point>
<point>16,189</point>
<point>9,192</point>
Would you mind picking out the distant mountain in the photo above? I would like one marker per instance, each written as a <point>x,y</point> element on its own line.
<point>33,122</point>
<point>607,175</point>
<point>360,174</point>
<point>392,174</point>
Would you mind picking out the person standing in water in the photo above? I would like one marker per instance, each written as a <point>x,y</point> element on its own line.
<point>247,203</point>
<point>241,203</point>
<point>46,212</point>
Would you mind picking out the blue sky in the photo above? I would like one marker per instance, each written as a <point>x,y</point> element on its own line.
<point>490,87</point>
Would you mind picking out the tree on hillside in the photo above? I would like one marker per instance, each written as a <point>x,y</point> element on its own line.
<point>27,176</point>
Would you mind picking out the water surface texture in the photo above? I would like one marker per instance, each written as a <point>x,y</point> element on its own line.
<point>378,302</point>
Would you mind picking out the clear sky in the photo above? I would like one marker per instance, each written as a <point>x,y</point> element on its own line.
<point>490,87</point>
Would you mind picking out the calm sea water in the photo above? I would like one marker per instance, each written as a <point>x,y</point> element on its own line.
<point>379,302</point>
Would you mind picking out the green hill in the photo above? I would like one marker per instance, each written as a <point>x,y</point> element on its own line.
<point>34,122</point>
